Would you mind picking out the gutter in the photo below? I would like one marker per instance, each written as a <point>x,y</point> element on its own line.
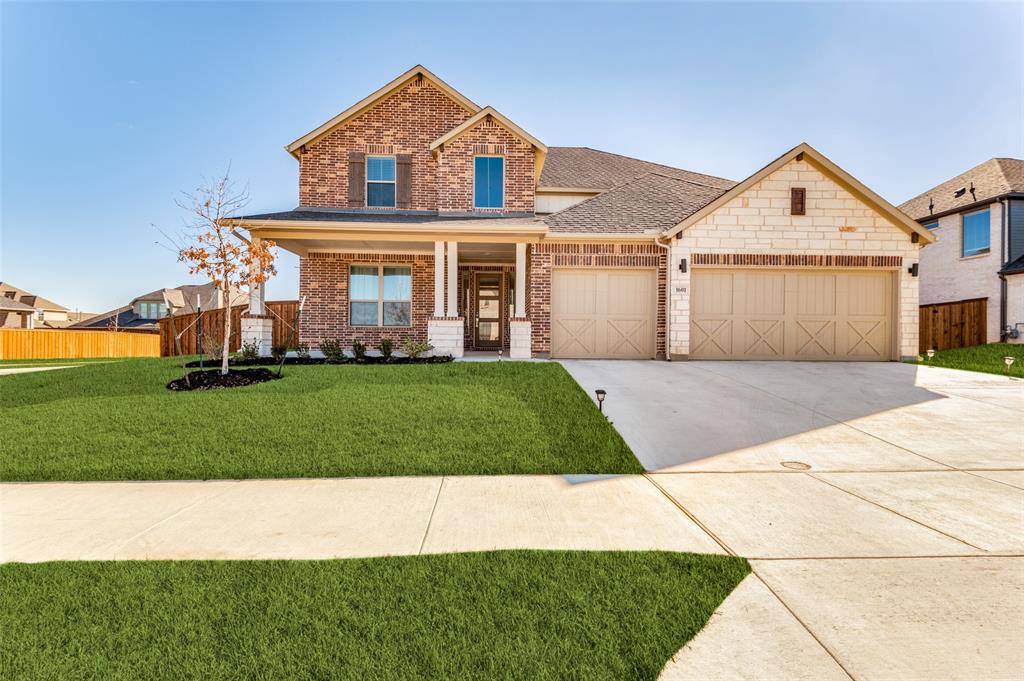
<point>969,206</point>
<point>1004,228</point>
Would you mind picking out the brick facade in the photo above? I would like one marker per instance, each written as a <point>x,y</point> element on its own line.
<point>407,122</point>
<point>323,281</point>
<point>455,169</point>
<point>544,257</point>
<point>757,226</point>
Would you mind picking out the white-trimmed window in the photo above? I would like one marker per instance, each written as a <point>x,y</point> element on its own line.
<point>488,182</point>
<point>380,181</point>
<point>380,295</point>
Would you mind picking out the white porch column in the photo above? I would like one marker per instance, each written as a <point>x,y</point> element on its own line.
<point>438,279</point>
<point>256,293</point>
<point>453,279</point>
<point>520,281</point>
<point>445,332</point>
<point>520,328</point>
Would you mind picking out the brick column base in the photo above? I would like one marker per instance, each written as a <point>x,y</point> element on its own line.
<point>520,338</point>
<point>258,329</point>
<point>446,335</point>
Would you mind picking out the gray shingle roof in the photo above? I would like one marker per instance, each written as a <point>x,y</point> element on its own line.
<point>583,167</point>
<point>648,204</point>
<point>994,177</point>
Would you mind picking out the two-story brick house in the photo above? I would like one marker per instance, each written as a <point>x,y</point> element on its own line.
<point>423,215</point>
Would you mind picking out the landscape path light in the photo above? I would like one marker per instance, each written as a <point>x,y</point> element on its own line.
<point>600,399</point>
<point>1008,361</point>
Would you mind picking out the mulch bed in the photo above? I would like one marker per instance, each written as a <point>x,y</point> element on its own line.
<point>212,378</point>
<point>270,361</point>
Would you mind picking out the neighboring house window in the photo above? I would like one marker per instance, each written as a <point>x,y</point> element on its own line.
<point>380,295</point>
<point>976,233</point>
<point>488,182</point>
<point>152,310</point>
<point>41,314</point>
<point>380,181</point>
<point>931,225</point>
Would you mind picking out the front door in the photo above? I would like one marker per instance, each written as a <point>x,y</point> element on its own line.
<point>489,304</point>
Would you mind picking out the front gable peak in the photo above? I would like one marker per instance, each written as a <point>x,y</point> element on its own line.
<point>359,107</point>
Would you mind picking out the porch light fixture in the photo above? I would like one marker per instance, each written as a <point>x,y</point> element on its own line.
<point>600,399</point>
<point>1009,363</point>
<point>682,265</point>
<point>913,268</point>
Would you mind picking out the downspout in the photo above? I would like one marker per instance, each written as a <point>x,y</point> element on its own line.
<point>1005,220</point>
<point>668,295</point>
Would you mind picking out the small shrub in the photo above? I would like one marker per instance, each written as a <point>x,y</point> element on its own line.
<point>333,350</point>
<point>386,348</point>
<point>414,348</point>
<point>278,351</point>
<point>359,349</point>
<point>213,346</point>
<point>250,349</point>
<point>302,350</point>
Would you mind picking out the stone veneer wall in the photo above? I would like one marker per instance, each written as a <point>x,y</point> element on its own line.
<point>758,222</point>
<point>323,281</point>
<point>543,257</point>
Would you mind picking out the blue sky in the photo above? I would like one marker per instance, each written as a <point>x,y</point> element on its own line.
<point>109,110</point>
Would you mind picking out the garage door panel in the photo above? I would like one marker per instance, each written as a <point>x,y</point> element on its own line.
<point>792,314</point>
<point>603,313</point>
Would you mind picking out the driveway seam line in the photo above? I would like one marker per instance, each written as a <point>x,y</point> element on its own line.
<point>941,556</point>
<point>814,411</point>
<point>982,477</point>
<point>886,508</point>
<point>802,623</point>
<point>691,516</point>
<point>975,399</point>
<point>430,518</point>
<point>173,515</point>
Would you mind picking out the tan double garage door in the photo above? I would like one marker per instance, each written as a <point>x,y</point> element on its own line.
<point>603,313</point>
<point>792,314</point>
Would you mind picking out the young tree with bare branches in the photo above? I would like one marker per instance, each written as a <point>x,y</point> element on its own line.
<point>213,249</point>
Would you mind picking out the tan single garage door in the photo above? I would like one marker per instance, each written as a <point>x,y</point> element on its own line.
<point>603,313</point>
<point>792,314</point>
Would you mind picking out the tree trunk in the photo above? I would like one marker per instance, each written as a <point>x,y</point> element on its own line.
<point>227,332</point>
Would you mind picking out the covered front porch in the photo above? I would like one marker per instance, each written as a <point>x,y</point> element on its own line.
<point>461,289</point>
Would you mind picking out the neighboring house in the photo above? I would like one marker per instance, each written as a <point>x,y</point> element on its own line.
<point>423,215</point>
<point>143,313</point>
<point>978,219</point>
<point>17,303</point>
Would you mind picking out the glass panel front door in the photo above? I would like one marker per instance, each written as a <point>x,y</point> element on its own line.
<point>488,311</point>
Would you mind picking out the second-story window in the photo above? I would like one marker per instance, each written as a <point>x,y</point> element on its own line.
<point>380,181</point>
<point>488,182</point>
<point>976,233</point>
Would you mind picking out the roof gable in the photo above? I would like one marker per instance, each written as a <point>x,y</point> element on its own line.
<point>362,105</point>
<point>995,177</point>
<point>488,112</point>
<point>826,167</point>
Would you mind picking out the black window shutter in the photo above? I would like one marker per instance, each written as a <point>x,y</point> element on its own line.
<point>797,201</point>
<point>403,180</point>
<point>356,179</point>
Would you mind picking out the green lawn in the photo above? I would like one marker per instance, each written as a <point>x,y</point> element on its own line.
<point>505,614</point>
<point>985,358</point>
<point>118,422</point>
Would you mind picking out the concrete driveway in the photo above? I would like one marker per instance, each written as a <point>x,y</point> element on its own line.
<point>881,505</point>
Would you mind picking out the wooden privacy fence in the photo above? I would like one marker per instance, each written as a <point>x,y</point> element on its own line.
<point>945,326</point>
<point>75,344</point>
<point>282,312</point>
